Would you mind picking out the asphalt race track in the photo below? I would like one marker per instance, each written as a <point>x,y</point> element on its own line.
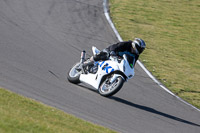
<point>41,39</point>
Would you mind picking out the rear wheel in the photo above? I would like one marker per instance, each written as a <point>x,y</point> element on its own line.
<point>108,89</point>
<point>74,73</point>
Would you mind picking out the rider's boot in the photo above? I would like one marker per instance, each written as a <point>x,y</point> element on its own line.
<point>84,64</point>
<point>88,63</point>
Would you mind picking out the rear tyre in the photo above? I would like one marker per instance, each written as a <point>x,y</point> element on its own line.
<point>108,89</point>
<point>74,73</point>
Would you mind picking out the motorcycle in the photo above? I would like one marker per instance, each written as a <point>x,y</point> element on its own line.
<point>107,77</point>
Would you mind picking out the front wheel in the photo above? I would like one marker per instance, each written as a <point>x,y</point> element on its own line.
<point>74,74</point>
<point>108,89</point>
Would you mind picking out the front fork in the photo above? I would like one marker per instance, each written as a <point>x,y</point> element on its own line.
<point>114,77</point>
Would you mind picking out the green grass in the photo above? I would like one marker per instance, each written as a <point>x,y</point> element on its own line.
<point>171,29</point>
<point>20,114</point>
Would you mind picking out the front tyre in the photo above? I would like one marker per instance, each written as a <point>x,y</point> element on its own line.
<point>108,89</point>
<point>74,74</point>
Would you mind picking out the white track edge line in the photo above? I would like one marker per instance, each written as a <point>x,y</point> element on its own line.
<point>106,13</point>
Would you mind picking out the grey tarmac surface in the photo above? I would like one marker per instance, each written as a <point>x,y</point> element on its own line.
<point>41,39</point>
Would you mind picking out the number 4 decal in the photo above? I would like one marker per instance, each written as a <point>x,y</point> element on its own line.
<point>106,67</point>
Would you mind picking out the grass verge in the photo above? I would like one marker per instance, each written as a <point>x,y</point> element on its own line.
<point>171,29</point>
<point>20,114</point>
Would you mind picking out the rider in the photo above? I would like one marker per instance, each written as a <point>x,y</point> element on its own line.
<point>133,48</point>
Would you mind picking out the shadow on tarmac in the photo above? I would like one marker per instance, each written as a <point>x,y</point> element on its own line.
<point>145,108</point>
<point>151,110</point>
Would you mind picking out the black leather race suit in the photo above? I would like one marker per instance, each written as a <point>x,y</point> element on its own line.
<point>119,48</point>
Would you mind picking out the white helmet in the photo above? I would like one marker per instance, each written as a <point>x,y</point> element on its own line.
<point>139,44</point>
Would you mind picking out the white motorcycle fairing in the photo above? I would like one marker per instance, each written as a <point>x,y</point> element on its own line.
<point>112,66</point>
<point>107,76</point>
